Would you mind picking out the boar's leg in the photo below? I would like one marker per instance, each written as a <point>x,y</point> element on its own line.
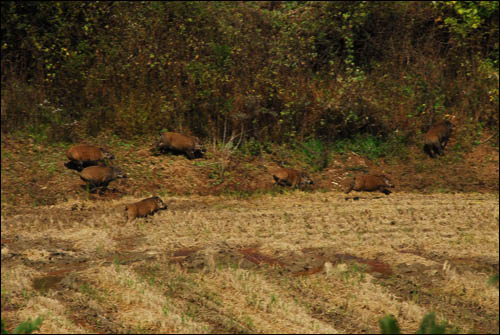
<point>198,153</point>
<point>438,149</point>
<point>444,142</point>
<point>74,165</point>
<point>190,154</point>
<point>282,183</point>
<point>428,150</point>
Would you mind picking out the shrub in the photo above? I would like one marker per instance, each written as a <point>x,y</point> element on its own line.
<point>26,327</point>
<point>284,72</point>
<point>389,325</point>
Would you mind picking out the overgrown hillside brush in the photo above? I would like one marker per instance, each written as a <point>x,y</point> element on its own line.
<point>274,71</point>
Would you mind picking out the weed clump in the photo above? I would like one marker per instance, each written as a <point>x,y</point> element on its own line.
<point>25,327</point>
<point>389,325</point>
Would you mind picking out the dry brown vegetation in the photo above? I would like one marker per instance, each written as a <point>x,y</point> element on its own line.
<point>295,263</point>
<point>334,89</point>
<point>244,260</point>
<point>278,71</point>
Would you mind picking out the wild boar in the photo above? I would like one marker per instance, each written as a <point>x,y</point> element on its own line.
<point>144,207</point>
<point>179,143</point>
<point>100,176</point>
<point>437,137</point>
<point>370,183</point>
<point>291,177</point>
<point>83,155</point>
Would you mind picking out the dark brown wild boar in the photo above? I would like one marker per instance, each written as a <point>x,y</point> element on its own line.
<point>144,207</point>
<point>84,155</point>
<point>179,143</point>
<point>370,183</point>
<point>100,176</point>
<point>291,177</point>
<point>437,137</point>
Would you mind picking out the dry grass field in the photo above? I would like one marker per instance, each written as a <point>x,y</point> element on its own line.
<point>299,262</point>
<point>238,255</point>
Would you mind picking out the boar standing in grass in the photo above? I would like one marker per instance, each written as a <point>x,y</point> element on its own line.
<point>84,155</point>
<point>179,143</point>
<point>437,137</point>
<point>100,176</point>
<point>144,207</point>
<point>370,183</point>
<point>291,177</point>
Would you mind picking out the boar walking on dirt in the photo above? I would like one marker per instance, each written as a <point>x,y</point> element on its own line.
<point>100,176</point>
<point>437,137</point>
<point>84,155</point>
<point>370,183</point>
<point>144,207</point>
<point>179,143</point>
<point>291,177</point>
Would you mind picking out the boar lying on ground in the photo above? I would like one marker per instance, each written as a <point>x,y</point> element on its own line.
<point>100,176</point>
<point>291,177</point>
<point>437,137</point>
<point>179,143</point>
<point>83,155</point>
<point>370,183</point>
<point>144,207</point>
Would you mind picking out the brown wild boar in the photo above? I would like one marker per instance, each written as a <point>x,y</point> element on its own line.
<point>291,177</point>
<point>437,137</point>
<point>144,207</point>
<point>84,155</point>
<point>179,143</point>
<point>370,183</point>
<point>100,176</point>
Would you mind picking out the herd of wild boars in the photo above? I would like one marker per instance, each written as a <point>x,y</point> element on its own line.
<point>435,140</point>
<point>90,161</point>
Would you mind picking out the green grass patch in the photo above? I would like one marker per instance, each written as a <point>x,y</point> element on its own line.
<point>389,325</point>
<point>314,153</point>
<point>371,146</point>
<point>255,148</point>
<point>26,327</point>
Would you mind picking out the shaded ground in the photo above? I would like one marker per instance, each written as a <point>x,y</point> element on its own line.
<point>257,259</point>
